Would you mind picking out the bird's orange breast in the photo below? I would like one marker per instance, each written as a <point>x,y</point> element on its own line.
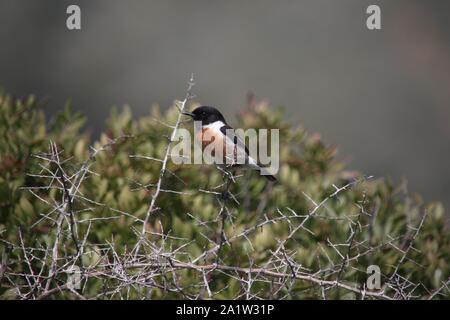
<point>207,136</point>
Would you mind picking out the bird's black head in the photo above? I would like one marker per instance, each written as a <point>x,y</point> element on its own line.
<point>206,115</point>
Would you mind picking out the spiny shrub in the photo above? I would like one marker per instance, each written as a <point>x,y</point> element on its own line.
<point>318,222</point>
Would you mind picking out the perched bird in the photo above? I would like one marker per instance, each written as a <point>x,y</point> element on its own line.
<point>215,128</point>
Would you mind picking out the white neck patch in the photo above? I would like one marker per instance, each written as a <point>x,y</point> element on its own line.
<point>215,126</point>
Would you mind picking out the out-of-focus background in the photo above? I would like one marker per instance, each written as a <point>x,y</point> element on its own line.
<point>382,96</point>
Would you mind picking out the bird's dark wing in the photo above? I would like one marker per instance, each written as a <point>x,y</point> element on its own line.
<point>230,134</point>
<point>241,145</point>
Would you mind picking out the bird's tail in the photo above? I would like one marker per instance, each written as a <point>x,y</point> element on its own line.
<point>264,172</point>
<point>271,178</point>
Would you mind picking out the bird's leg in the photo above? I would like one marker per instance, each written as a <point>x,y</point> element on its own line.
<point>228,178</point>
<point>229,171</point>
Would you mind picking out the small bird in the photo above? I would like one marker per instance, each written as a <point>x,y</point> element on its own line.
<point>215,128</point>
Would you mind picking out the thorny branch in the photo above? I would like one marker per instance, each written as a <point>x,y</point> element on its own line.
<point>181,105</point>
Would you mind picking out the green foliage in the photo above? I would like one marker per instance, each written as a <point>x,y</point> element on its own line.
<point>309,172</point>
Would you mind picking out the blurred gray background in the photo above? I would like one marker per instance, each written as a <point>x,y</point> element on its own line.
<point>382,96</point>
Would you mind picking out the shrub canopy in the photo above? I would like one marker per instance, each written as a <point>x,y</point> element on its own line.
<point>319,222</point>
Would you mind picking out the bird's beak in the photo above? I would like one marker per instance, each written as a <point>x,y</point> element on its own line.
<point>187,113</point>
